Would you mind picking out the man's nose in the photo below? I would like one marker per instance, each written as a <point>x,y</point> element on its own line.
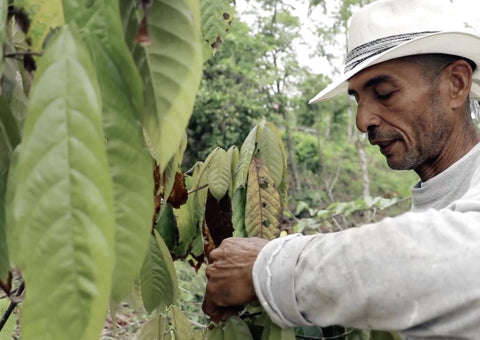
<point>366,117</point>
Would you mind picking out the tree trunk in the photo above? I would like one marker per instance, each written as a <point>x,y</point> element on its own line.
<point>360,145</point>
<point>291,151</point>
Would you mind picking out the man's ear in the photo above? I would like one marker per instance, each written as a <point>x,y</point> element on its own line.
<point>460,81</point>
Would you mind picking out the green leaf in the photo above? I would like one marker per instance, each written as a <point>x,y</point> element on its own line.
<point>3,20</point>
<point>234,155</point>
<point>236,329</point>
<point>130,163</point>
<point>158,277</point>
<point>246,154</point>
<point>238,212</point>
<point>273,332</point>
<point>9,327</point>
<point>44,15</point>
<point>167,227</point>
<point>171,68</point>
<point>62,218</point>
<point>219,173</point>
<point>151,329</point>
<point>182,327</point>
<point>9,139</point>
<point>381,335</point>
<point>128,12</point>
<point>187,225</point>
<point>271,152</point>
<point>217,17</point>
<point>263,208</point>
<point>215,333</point>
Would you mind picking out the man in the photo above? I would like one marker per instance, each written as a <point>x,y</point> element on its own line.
<point>412,70</point>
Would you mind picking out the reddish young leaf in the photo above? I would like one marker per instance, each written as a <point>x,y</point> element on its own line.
<point>179,194</point>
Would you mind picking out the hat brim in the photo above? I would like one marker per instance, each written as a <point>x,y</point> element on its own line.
<point>462,44</point>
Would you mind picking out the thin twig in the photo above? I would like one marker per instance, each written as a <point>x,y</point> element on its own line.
<point>197,189</point>
<point>13,304</point>
<point>21,54</point>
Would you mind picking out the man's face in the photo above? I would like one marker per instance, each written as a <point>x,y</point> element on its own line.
<point>403,113</point>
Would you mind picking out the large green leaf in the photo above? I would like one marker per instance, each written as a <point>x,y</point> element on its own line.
<point>61,228</point>
<point>158,276</point>
<point>129,161</point>
<point>171,68</point>
<point>219,173</point>
<point>263,208</point>
<point>271,151</point>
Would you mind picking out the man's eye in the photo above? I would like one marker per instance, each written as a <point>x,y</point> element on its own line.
<point>384,96</point>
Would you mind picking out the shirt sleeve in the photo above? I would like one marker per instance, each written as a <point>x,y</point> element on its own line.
<point>418,273</point>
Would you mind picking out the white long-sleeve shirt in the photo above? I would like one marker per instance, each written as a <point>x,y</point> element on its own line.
<point>418,273</point>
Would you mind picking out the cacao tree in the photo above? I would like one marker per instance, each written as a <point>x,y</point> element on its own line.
<point>94,103</point>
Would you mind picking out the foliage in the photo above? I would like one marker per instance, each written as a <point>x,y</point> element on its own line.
<point>77,206</point>
<point>95,101</point>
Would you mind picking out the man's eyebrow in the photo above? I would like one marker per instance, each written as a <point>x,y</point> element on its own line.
<point>383,78</point>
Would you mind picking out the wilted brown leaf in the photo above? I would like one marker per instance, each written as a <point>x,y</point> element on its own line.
<point>218,221</point>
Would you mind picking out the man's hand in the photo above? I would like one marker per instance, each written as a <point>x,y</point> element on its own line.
<point>229,273</point>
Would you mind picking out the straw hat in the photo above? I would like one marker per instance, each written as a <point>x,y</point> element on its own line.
<point>389,29</point>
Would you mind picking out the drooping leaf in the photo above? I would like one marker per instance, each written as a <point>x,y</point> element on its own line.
<point>271,151</point>
<point>263,207</point>
<point>15,82</point>
<point>171,68</point>
<point>218,219</point>
<point>128,13</point>
<point>173,167</point>
<point>129,161</point>
<point>167,227</point>
<point>44,15</point>
<point>238,211</point>
<point>217,16</point>
<point>151,329</point>
<point>182,327</point>
<point>179,193</point>
<point>219,174</point>
<point>9,139</point>
<point>234,155</point>
<point>3,20</point>
<point>62,210</point>
<point>187,225</point>
<point>157,276</point>
<point>246,154</point>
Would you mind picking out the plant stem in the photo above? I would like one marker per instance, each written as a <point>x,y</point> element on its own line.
<point>13,304</point>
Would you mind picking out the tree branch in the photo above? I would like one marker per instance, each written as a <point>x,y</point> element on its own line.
<point>21,54</point>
